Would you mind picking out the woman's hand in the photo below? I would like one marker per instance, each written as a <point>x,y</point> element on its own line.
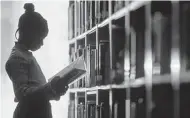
<point>59,85</point>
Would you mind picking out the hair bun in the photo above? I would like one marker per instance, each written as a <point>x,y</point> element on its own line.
<point>29,7</point>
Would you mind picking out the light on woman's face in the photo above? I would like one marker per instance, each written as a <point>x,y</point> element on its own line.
<point>36,44</point>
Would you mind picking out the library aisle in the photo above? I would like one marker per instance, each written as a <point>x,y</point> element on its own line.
<point>137,59</point>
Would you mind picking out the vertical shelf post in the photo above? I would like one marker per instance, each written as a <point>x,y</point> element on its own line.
<point>86,104</point>
<point>148,60</point>
<point>97,100</point>
<point>175,59</point>
<point>127,56</point>
<point>85,29</point>
<point>97,40</point>
<point>79,16</point>
<point>110,103</point>
<point>127,62</point>
<point>76,101</point>
<point>110,40</point>
<point>110,32</point>
<point>85,24</point>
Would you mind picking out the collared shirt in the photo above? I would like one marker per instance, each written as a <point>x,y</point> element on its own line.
<point>26,74</point>
<point>29,83</point>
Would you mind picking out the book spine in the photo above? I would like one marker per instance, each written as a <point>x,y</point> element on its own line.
<point>84,14</point>
<point>158,23</point>
<point>88,66</point>
<point>69,23</point>
<point>116,110</point>
<point>93,67</point>
<point>133,54</point>
<point>105,10</point>
<point>88,15</point>
<point>79,13</point>
<point>72,21</point>
<point>90,18</point>
<point>81,17</point>
<point>96,66</point>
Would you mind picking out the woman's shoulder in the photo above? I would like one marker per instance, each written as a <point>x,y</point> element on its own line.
<point>18,55</point>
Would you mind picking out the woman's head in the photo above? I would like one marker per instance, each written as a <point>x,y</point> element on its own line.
<point>32,28</point>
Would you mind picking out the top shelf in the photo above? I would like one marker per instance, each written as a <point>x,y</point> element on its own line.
<point>117,15</point>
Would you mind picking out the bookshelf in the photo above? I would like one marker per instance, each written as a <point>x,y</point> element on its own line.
<point>136,58</point>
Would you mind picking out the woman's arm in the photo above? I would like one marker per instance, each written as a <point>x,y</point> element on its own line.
<point>17,69</point>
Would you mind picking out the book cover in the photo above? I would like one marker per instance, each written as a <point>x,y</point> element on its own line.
<point>72,71</point>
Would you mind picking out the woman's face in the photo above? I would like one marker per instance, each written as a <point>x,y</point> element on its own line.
<point>37,43</point>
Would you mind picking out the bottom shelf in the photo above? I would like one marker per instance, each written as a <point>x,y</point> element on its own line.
<point>103,101</point>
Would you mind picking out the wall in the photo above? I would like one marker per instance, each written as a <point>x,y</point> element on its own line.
<point>52,57</point>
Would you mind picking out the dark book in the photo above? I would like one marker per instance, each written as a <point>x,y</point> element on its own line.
<point>103,50</point>
<point>72,71</point>
<point>72,20</point>
<point>93,60</point>
<point>93,17</point>
<point>88,15</point>
<point>91,109</point>
<point>82,17</point>
<point>78,17</point>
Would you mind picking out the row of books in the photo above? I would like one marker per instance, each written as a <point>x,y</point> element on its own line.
<point>98,59</point>
<point>97,64</point>
<point>96,12</point>
<point>97,111</point>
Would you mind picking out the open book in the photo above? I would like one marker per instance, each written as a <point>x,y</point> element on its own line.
<point>72,71</point>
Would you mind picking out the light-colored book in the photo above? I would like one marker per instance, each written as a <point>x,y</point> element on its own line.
<point>72,71</point>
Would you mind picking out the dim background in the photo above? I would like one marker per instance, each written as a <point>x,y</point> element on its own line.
<point>52,57</point>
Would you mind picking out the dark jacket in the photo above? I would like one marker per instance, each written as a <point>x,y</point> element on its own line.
<point>31,90</point>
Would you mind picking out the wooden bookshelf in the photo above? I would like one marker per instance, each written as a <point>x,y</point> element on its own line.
<point>142,41</point>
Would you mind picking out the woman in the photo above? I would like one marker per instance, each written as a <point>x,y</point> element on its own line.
<point>31,90</point>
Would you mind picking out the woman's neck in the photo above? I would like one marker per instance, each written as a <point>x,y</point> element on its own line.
<point>25,41</point>
<point>22,45</point>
